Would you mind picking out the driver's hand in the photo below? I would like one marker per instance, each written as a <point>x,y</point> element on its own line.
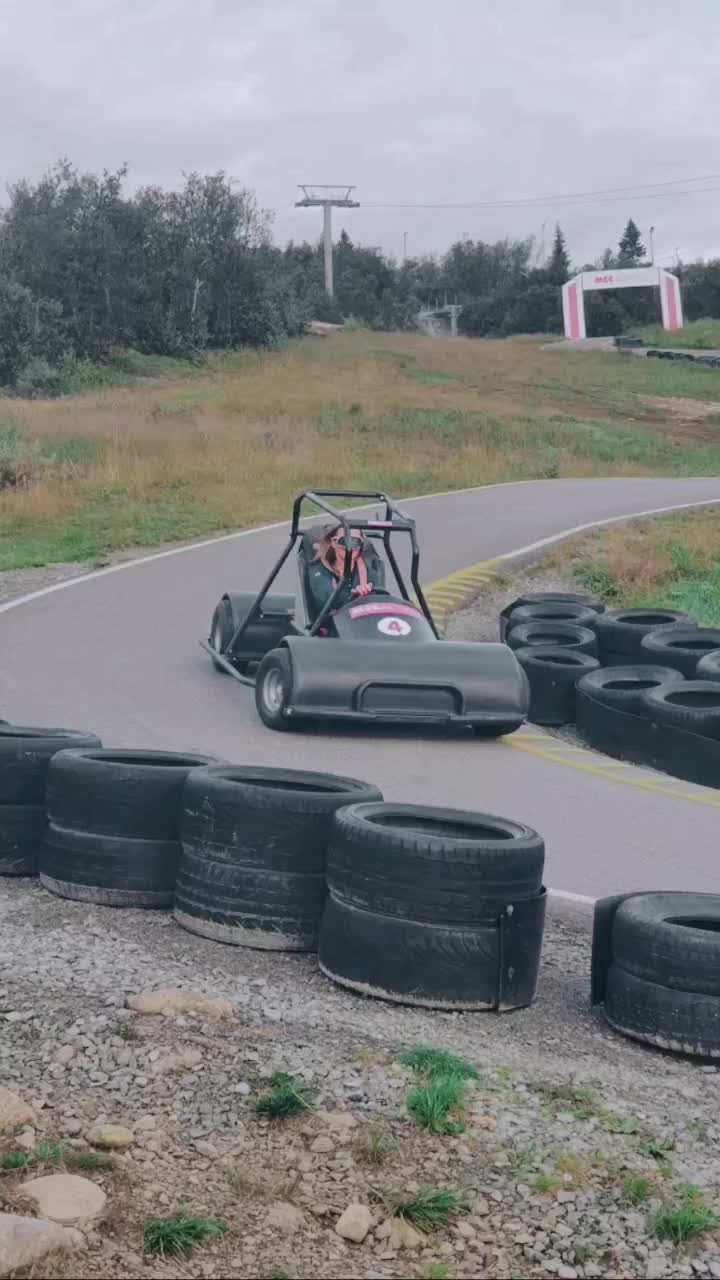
<point>363,590</point>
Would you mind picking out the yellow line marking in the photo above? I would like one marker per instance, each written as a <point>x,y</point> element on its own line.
<point>629,779</point>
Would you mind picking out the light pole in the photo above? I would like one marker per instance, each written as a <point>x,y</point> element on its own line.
<point>652,245</point>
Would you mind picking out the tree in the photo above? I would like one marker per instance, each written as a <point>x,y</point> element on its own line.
<point>558,268</point>
<point>631,248</point>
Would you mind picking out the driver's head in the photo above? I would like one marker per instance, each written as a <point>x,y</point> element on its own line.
<point>339,542</point>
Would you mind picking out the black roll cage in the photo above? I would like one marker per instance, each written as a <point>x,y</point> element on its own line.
<point>395,521</point>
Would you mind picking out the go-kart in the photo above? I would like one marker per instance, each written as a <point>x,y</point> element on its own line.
<point>376,658</point>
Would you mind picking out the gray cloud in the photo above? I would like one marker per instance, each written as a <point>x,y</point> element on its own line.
<point>415,101</point>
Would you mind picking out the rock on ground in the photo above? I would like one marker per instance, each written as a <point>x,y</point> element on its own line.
<point>171,1001</point>
<point>14,1112</point>
<point>65,1197</point>
<point>354,1223</point>
<point>26,1241</point>
<point>111,1136</point>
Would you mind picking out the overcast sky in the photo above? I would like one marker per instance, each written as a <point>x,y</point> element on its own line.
<point>413,101</point>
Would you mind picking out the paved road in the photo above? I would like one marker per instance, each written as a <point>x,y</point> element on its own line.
<point>118,654</point>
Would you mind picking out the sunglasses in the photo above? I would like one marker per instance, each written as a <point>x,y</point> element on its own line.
<point>355,543</point>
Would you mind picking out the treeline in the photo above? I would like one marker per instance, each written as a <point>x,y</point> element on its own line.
<point>87,270</point>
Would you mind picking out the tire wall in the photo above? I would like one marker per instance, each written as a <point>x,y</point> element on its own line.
<point>639,740</point>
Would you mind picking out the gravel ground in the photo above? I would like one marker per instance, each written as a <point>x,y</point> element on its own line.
<point>564,1116</point>
<point>564,1112</point>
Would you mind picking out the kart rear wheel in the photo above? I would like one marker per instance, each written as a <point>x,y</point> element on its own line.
<point>221,630</point>
<point>273,689</point>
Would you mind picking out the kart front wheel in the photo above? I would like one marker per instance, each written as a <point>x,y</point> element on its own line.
<point>273,689</point>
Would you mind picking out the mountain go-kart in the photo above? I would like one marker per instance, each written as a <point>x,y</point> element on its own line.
<point>376,658</point>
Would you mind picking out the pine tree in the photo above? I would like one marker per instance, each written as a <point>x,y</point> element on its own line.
<point>558,268</point>
<point>631,247</point>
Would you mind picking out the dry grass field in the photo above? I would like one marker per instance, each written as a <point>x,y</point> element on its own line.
<point>174,458</point>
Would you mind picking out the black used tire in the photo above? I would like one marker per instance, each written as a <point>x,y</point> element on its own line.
<point>553,673</point>
<point>25,754</point>
<point>681,1021</point>
<point>134,794</point>
<point>276,669</point>
<point>693,706</point>
<point>604,912</point>
<point>221,630</point>
<point>708,668</point>
<point>113,871</point>
<point>255,840</point>
<point>680,647</point>
<point>553,611</point>
<point>549,597</point>
<point>22,828</point>
<point>672,939</point>
<point>490,965</point>
<point>622,630</point>
<point>566,634</point>
<point>622,687</point>
<point>437,865</point>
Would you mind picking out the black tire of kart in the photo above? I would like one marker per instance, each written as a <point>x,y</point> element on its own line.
<point>693,705</point>
<point>22,828</point>
<point>622,630</point>
<point>401,871</point>
<point>565,634</point>
<point>672,939</point>
<point>553,611</point>
<point>277,661</point>
<point>680,647</point>
<point>708,668</point>
<point>129,794</point>
<point>25,754</point>
<point>686,1022</point>
<point>553,673</point>
<point>622,687</point>
<point>113,871</point>
<point>221,631</point>
<point>431,965</point>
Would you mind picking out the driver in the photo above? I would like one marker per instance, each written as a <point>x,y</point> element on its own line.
<point>328,567</point>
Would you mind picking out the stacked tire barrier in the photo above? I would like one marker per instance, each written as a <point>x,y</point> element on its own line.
<point>25,755</point>
<point>638,683</point>
<point>433,907</point>
<point>656,969</point>
<point>114,825</point>
<point>254,852</point>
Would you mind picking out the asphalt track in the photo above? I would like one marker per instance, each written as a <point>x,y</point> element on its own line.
<point>117,653</point>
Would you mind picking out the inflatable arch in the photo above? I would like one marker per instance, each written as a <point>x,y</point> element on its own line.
<point>573,294</point>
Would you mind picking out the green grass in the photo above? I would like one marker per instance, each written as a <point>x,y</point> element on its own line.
<point>438,1062</point>
<point>636,1189</point>
<point>700,335</point>
<point>374,1147</point>
<point>427,1210</point>
<point>432,1105</point>
<point>180,1233</point>
<point>53,1154</point>
<point>435,1271</point>
<point>547,1182</point>
<point>562,1096</point>
<point>690,1217</point>
<point>286,1098</point>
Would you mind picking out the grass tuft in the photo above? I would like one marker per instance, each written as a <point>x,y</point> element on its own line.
<point>435,1271</point>
<point>636,1190</point>
<point>54,1154</point>
<point>432,1105</point>
<point>691,1217</point>
<point>438,1062</point>
<point>286,1098</point>
<point>180,1233</point>
<point>547,1182</point>
<point>374,1147</point>
<point>428,1209</point>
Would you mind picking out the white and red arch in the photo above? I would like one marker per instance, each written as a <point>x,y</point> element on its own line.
<point>573,294</point>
